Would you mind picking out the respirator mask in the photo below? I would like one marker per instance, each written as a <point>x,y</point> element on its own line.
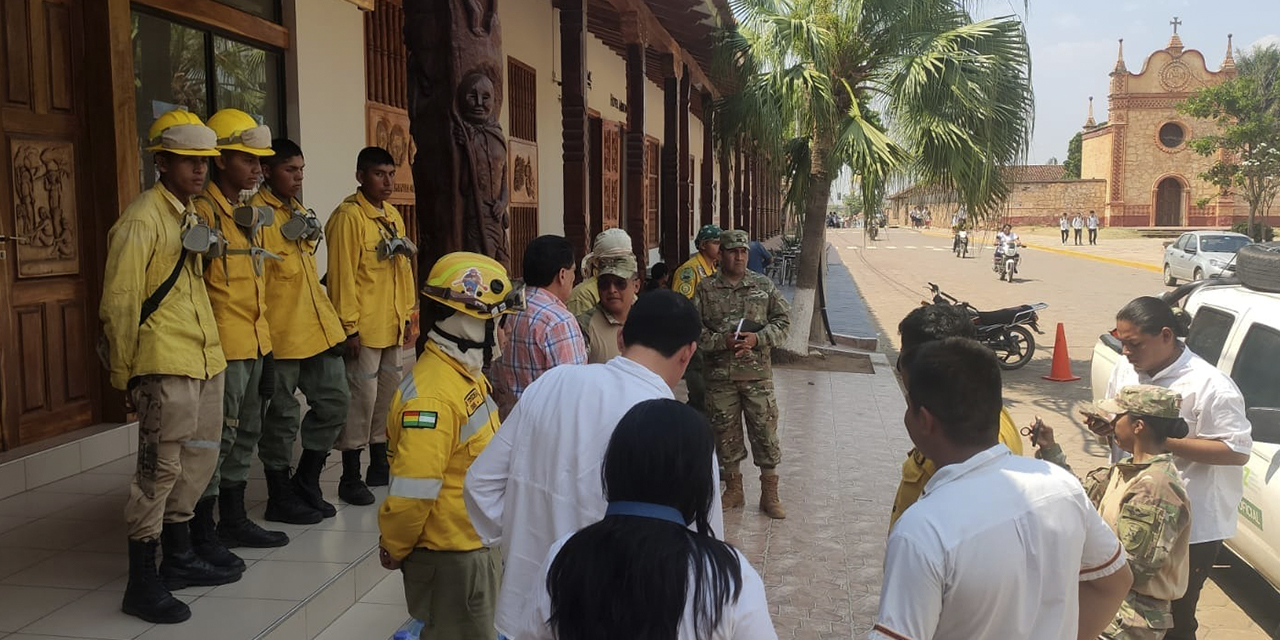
<point>302,225</point>
<point>198,237</point>
<point>399,246</point>
<point>251,218</point>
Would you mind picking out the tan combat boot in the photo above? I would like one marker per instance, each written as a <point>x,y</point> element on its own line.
<point>733,496</point>
<point>769,502</point>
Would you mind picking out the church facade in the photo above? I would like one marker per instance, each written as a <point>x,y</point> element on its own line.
<point>1152,176</point>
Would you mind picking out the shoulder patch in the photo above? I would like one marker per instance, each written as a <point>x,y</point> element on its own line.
<point>686,274</point>
<point>418,420</point>
<point>686,288</point>
<point>473,401</point>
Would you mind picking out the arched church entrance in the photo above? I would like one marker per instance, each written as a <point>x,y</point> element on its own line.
<point>1169,203</point>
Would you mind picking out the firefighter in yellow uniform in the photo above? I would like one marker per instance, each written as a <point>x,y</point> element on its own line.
<point>685,280</point>
<point>237,289</point>
<point>370,283</point>
<point>307,338</point>
<point>441,418</point>
<point>163,348</point>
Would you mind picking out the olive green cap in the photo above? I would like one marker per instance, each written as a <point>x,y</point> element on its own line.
<point>1144,400</point>
<point>733,239</point>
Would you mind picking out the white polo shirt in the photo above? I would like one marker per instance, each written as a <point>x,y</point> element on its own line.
<point>995,549</point>
<point>1214,410</point>
<point>538,480</point>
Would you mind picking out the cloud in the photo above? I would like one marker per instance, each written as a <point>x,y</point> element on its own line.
<point>1067,20</point>
<point>1272,40</point>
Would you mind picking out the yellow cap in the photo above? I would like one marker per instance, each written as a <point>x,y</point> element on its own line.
<point>238,131</point>
<point>474,284</point>
<point>181,132</point>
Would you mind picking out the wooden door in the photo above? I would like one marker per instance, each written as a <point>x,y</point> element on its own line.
<point>610,174</point>
<point>1169,203</point>
<point>49,377</point>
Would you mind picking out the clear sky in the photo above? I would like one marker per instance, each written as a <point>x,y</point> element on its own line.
<point>1073,48</point>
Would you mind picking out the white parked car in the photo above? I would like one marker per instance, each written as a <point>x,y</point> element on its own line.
<point>1236,326</point>
<point>1197,255</point>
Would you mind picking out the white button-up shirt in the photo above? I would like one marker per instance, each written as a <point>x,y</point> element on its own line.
<point>995,549</point>
<point>538,480</point>
<point>1214,410</point>
<point>745,619</point>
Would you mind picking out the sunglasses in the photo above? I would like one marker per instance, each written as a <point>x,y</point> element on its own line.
<point>613,282</point>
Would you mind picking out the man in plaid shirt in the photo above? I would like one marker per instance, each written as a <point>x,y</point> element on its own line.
<point>545,334</point>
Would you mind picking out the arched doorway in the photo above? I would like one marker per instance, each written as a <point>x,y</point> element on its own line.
<point>1169,199</point>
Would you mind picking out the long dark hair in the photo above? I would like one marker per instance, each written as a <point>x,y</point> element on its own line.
<point>627,576</point>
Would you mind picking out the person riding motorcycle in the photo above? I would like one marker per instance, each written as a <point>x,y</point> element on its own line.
<point>959,233</point>
<point>1005,236</point>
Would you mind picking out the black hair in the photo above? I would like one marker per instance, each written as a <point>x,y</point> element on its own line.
<point>371,157</point>
<point>1164,428</point>
<point>656,273</point>
<point>1152,315</point>
<point>629,576</point>
<point>662,320</point>
<point>285,150</point>
<point>930,322</point>
<point>544,258</point>
<point>958,381</point>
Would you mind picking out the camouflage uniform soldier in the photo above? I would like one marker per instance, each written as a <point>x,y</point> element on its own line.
<point>1143,499</point>
<point>697,268</point>
<point>743,315</point>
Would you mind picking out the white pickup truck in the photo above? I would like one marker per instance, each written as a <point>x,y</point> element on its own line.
<point>1236,326</point>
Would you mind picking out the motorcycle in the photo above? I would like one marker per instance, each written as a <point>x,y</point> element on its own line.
<point>873,231</point>
<point>960,245</point>
<point>1004,331</point>
<point>1007,261</point>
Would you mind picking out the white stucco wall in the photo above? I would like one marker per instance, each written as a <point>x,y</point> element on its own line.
<point>327,120</point>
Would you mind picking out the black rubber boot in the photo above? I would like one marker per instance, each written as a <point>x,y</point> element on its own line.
<point>205,540</point>
<point>146,596</point>
<point>351,488</point>
<point>379,474</point>
<point>306,481</point>
<point>234,526</point>
<point>182,568</point>
<point>283,505</point>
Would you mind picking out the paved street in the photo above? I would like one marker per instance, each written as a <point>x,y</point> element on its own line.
<point>1084,295</point>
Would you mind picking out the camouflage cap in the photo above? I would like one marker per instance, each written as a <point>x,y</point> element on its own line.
<point>707,232</point>
<point>733,239</point>
<point>1145,400</point>
<point>622,266</point>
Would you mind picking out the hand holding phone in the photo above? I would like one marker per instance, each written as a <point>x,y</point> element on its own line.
<point>1097,423</point>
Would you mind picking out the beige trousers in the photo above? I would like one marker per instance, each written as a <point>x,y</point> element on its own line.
<point>179,428</point>
<point>372,377</point>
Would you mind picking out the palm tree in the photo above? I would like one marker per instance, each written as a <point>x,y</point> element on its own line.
<point>890,90</point>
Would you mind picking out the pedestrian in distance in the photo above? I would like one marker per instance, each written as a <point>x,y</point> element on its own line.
<point>684,583</point>
<point>374,295</point>
<point>162,348</point>
<point>759,258</point>
<point>442,416</point>
<point>544,334</point>
<point>1064,226</point>
<point>925,324</point>
<point>743,317</point>
<point>538,480</point>
<point>237,287</point>
<point>1144,502</point>
<point>1211,457</point>
<point>1000,546</point>
<point>685,281</point>
<point>1092,224</point>
<point>659,277</point>
<point>1077,227</point>
<point>308,342</point>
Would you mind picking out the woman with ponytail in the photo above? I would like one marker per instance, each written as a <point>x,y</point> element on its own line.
<point>651,569</point>
<point>1212,456</point>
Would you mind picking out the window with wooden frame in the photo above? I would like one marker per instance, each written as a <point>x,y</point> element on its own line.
<point>522,124</point>
<point>652,160</point>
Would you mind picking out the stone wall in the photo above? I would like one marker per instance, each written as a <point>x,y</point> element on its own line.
<point>1040,203</point>
<point>1095,155</point>
<point>1146,161</point>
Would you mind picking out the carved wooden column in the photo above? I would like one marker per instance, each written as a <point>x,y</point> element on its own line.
<point>669,224</point>
<point>685,189</point>
<point>573,119</point>
<point>637,208</point>
<point>726,196</point>
<point>708,162</point>
<point>737,184</point>
<point>748,188</point>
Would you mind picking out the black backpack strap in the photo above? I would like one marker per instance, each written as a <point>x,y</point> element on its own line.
<point>152,303</point>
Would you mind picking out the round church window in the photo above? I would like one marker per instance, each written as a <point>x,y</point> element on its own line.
<point>1172,135</point>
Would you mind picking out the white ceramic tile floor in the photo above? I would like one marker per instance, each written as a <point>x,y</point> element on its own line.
<point>276,580</point>
<point>73,570</point>
<point>21,606</point>
<point>365,620</point>
<point>95,615</point>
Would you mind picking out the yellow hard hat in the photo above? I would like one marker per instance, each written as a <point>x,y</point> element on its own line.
<point>238,131</point>
<point>475,285</point>
<point>181,132</point>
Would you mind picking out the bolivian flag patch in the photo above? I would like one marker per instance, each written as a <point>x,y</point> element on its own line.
<point>418,420</point>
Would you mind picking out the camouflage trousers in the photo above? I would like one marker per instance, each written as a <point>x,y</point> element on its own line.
<point>728,403</point>
<point>1139,618</point>
<point>695,379</point>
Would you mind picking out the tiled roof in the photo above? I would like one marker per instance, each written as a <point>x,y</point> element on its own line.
<point>1035,173</point>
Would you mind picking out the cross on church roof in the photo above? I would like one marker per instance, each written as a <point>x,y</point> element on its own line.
<point>1175,22</point>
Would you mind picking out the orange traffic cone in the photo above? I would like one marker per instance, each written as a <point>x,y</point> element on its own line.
<point>1061,371</point>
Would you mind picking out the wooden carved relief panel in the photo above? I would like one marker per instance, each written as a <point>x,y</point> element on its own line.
<point>44,207</point>
<point>611,173</point>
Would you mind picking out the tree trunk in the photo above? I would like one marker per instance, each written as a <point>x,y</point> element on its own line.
<point>812,246</point>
